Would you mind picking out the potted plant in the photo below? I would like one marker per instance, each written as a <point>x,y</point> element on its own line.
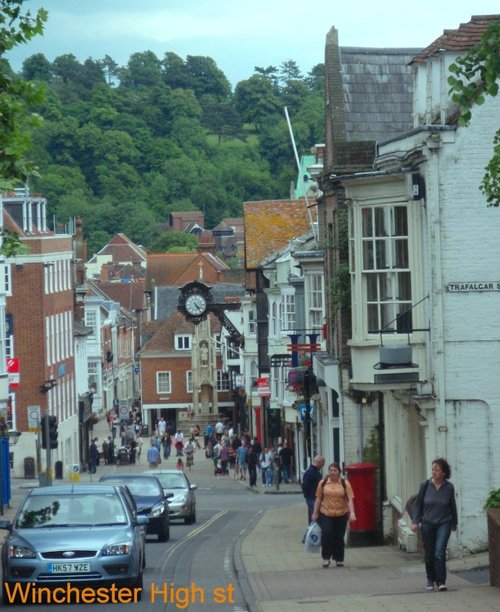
<point>492,507</point>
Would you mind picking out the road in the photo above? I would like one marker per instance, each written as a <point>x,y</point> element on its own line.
<point>196,568</point>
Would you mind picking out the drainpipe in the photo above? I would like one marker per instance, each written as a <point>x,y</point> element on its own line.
<point>438,290</point>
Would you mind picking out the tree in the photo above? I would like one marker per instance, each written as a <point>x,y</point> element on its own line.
<point>37,68</point>
<point>476,75</point>
<point>16,96</point>
<point>256,98</point>
<point>174,240</point>
<point>289,71</point>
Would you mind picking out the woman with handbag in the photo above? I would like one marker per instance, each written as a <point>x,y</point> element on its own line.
<point>435,510</point>
<point>333,508</point>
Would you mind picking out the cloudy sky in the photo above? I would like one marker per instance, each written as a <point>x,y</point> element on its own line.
<point>239,35</point>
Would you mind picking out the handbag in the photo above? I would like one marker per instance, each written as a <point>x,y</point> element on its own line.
<point>312,541</point>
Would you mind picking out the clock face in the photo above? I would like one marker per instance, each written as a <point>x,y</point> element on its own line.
<point>196,304</point>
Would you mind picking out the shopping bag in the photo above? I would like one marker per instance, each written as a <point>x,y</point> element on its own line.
<point>312,542</point>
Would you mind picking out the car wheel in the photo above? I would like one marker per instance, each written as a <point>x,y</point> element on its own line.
<point>144,560</point>
<point>164,535</point>
<point>188,519</point>
<point>193,516</point>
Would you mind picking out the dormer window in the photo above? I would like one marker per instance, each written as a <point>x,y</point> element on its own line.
<point>183,342</point>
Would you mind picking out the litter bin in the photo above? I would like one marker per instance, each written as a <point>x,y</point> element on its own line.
<point>362,478</point>
<point>29,467</point>
<point>58,470</point>
<point>144,431</point>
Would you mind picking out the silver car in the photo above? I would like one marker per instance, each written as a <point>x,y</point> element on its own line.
<point>84,535</point>
<point>180,494</point>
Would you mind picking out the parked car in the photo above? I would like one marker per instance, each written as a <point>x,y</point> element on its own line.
<point>82,534</point>
<point>149,498</point>
<point>180,493</point>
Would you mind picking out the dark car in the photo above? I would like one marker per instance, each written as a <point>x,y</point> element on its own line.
<point>180,493</point>
<point>149,498</point>
<point>79,534</point>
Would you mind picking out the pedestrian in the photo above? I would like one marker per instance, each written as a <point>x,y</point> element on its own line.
<point>333,508</point>
<point>166,443</point>
<point>241,458</point>
<point>266,464</point>
<point>310,481</point>
<point>180,464</point>
<point>286,457</point>
<point>153,455</point>
<point>93,456</point>
<point>252,467</point>
<point>207,433</point>
<point>435,510</point>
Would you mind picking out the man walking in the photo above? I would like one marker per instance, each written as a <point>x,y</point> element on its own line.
<point>310,481</point>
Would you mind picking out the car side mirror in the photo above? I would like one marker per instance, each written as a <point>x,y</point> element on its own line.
<point>142,519</point>
<point>193,487</point>
<point>5,524</point>
<point>168,495</point>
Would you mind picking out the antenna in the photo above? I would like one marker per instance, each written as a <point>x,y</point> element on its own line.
<point>297,160</point>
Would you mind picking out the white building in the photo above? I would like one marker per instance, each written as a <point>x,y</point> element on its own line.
<point>424,263</point>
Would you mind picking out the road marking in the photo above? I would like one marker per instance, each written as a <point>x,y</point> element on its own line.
<point>190,535</point>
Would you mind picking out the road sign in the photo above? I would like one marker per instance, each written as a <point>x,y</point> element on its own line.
<point>74,475</point>
<point>33,417</point>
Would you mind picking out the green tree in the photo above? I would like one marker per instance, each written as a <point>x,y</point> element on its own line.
<point>174,240</point>
<point>474,76</point>
<point>143,70</point>
<point>37,68</point>
<point>256,98</point>
<point>289,71</point>
<point>17,97</point>
<point>204,77</point>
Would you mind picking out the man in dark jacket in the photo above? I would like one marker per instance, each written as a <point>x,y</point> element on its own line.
<point>310,481</point>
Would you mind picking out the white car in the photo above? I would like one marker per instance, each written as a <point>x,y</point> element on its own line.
<point>180,494</point>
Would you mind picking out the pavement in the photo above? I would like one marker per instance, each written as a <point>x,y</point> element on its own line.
<point>275,574</point>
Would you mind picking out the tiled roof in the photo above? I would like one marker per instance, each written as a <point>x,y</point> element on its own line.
<point>465,37</point>
<point>128,295</point>
<point>122,249</point>
<point>377,86</point>
<point>163,340</point>
<point>170,269</point>
<point>270,224</point>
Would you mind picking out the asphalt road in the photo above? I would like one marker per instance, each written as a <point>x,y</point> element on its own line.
<point>196,568</point>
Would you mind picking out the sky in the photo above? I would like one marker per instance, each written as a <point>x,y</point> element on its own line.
<point>239,34</point>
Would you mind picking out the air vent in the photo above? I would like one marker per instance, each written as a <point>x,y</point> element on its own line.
<point>396,377</point>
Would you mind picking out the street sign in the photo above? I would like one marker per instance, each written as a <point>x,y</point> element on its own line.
<point>74,475</point>
<point>303,411</point>
<point>13,371</point>
<point>33,417</point>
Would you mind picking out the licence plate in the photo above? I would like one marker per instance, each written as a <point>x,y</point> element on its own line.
<point>71,567</point>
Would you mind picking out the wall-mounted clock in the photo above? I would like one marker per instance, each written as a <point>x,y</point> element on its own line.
<point>196,304</point>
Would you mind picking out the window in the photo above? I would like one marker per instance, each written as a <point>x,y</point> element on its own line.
<point>288,312</point>
<point>163,382</point>
<point>93,373</point>
<point>7,280</point>
<point>252,322</point>
<point>91,321</point>
<point>233,351</point>
<point>223,381</point>
<point>189,381</point>
<point>386,272</point>
<point>183,343</point>
<point>315,296</point>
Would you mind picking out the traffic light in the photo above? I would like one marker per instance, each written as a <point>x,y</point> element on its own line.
<point>48,426</point>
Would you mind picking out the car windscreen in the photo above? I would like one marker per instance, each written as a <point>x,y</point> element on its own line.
<point>172,481</point>
<point>142,487</point>
<point>72,510</point>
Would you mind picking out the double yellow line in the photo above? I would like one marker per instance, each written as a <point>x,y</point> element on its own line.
<point>189,536</point>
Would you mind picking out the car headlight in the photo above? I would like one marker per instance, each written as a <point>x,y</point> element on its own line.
<point>157,510</point>
<point>116,549</point>
<point>20,552</point>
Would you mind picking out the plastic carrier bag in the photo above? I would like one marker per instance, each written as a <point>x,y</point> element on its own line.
<point>312,542</point>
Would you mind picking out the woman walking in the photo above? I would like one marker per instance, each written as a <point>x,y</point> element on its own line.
<point>435,511</point>
<point>333,508</point>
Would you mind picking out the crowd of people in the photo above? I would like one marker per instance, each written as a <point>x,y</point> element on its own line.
<point>244,458</point>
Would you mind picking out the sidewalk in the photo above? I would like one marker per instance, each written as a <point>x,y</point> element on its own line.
<point>282,577</point>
